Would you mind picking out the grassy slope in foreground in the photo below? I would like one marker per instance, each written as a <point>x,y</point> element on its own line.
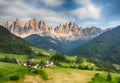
<point>8,69</point>
<point>55,75</point>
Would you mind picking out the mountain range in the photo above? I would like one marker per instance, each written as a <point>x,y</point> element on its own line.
<point>68,31</point>
<point>62,38</point>
<point>70,38</point>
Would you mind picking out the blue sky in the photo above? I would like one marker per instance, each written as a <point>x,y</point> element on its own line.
<point>86,13</point>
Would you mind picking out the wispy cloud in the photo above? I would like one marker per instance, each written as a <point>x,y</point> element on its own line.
<point>87,9</point>
<point>54,12</point>
<point>52,3</point>
<point>19,9</point>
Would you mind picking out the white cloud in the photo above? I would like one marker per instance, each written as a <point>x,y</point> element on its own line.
<point>87,9</point>
<point>52,3</point>
<point>19,9</point>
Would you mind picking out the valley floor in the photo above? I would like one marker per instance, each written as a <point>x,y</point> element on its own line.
<point>54,75</point>
<point>59,75</point>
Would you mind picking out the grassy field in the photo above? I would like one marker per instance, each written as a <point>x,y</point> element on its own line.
<point>51,75</point>
<point>36,50</point>
<point>54,75</point>
<point>102,78</point>
<point>67,75</point>
<point>8,69</point>
<point>71,58</point>
<point>18,57</point>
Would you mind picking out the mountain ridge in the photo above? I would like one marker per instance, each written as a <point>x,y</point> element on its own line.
<point>68,31</point>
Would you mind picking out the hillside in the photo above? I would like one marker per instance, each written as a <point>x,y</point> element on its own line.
<point>46,43</point>
<point>105,47</point>
<point>53,44</point>
<point>10,43</point>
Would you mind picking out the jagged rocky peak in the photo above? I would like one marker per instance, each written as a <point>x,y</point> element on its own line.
<point>59,28</point>
<point>33,22</point>
<point>33,26</point>
<point>6,24</point>
<point>67,28</point>
<point>19,23</point>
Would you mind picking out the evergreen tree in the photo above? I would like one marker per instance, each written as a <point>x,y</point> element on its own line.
<point>109,77</point>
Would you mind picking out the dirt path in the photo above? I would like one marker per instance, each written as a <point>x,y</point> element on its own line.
<point>32,79</point>
<point>61,77</point>
<point>69,77</point>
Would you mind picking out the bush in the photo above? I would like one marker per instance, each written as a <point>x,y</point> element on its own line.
<point>40,54</point>
<point>8,59</point>
<point>14,77</point>
<point>1,76</point>
<point>97,74</point>
<point>118,80</point>
<point>59,57</point>
<point>57,63</point>
<point>93,78</point>
<point>79,60</point>
<point>42,73</point>
<point>36,72</point>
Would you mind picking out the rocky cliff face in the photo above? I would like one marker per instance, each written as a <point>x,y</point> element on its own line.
<point>72,31</point>
<point>31,27</point>
<point>68,31</point>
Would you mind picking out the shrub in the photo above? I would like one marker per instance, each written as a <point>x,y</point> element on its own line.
<point>79,60</point>
<point>40,54</point>
<point>14,77</point>
<point>57,63</point>
<point>97,74</point>
<point>59,57</point>
<point>42,73</point>
<point>93,78</point>
<point>8,59</point>
<point>36,72</point>
<point>1,76</point>
<point>118,80</point>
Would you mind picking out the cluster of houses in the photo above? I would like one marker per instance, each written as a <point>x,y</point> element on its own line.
<point>32,64</point>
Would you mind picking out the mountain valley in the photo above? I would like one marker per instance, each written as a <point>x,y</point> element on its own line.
<point>60,39</point>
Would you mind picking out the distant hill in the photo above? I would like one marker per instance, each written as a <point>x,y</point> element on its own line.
<point>105,47</point>
<point>10,43</point>
<point>53,44</point>
<point>46,43</point>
